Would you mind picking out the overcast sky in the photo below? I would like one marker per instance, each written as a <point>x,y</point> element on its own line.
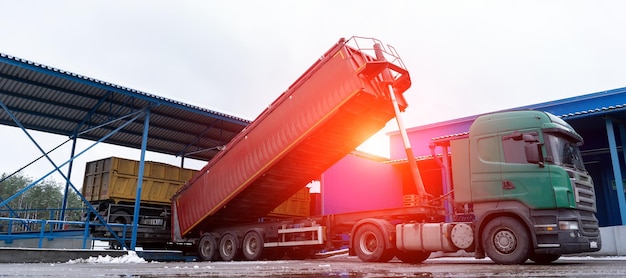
<point>236,57</point>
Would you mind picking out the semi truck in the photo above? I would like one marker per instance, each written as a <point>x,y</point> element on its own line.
<point>520,177</point>
<point>517,177</point>
<point>517,182</point>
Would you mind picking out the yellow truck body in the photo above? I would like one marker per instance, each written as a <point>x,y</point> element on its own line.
<point>115,179</point>
<point>298,204</point>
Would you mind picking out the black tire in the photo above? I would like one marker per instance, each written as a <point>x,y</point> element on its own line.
<point>229,249</point>
<point>369,244</point>
<point>122,216</point>
<point>412,257</point>
<point>207,248</point>
<point>544,258</point>
<point>252,246</point>
<point>506,241</point>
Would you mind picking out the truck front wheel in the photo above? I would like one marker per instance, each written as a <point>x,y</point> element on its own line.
<point>506,241</point>
<point>369,244</point>
<point>207,248</point>
<point>229,248</point>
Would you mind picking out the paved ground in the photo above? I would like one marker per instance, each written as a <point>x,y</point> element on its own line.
<point>338,266</point>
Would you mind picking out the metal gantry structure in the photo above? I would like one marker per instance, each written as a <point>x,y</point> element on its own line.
<point>43,98</point>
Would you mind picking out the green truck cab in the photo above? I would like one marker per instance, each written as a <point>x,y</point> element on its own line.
<point>522,172</point>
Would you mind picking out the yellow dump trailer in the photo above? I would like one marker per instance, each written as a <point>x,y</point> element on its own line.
<point>115,179</point>
<point>297,205</point>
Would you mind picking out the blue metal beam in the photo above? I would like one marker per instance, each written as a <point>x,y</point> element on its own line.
<point>617,172</point>
<point>91,112</point>
<point>13,213</point>
<point>183,152</point>
<point>144,144</point>
<point>67,182</point>
<point>73,152</point>
<point>620,192</point>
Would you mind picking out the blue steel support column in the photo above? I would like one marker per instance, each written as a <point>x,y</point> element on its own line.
<point>144,144</point>
<point>617,172</point>
<point>67,183</point>
<point>622,204</point>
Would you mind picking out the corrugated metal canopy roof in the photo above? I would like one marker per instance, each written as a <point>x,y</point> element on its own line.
<point>55,101</point>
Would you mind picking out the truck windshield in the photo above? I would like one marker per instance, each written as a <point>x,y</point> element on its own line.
<point>564,152</point>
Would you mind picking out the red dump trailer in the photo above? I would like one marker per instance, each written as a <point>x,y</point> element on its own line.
<point>339,102</point>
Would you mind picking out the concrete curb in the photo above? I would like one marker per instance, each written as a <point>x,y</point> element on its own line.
<point>36,255</point>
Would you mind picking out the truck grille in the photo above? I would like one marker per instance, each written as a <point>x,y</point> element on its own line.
<point>586,203</point>
<point>584,192</point>
<point>589,224</point>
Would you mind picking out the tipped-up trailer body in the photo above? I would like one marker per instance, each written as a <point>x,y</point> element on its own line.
<point>331,109</point>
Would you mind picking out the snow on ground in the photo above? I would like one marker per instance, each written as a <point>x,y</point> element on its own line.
<point>601,258</point>
<point>131,257</point>
<point>563,258</point>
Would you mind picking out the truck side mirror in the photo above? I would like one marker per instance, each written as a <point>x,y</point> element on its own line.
<point>533,154</point>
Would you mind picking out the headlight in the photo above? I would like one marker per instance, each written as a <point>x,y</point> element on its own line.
<point>568,225</point>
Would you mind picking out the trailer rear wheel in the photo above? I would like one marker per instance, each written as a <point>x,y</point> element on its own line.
<point>207,248</point>
<point>412,257</point>
<point>229,247</point>
<point>369,244</point>
<point>506,241</point>
<point>121,216</point>
<point>252,248</point>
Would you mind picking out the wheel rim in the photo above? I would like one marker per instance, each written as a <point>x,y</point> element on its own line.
<point>227,248</point>
<point>505,241</point>
<point>206,248</point>
<point>251,245</point>
<point>368,243</point>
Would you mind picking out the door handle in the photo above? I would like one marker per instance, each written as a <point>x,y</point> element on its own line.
<point>508,185</point>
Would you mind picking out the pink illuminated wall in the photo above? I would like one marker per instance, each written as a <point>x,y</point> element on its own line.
<point>358,183</point>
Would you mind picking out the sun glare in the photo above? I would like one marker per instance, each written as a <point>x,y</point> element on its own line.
<point>378,145</point>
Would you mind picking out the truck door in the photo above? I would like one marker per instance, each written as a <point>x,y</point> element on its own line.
<point>486,178</point>
<point>521,180</point>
